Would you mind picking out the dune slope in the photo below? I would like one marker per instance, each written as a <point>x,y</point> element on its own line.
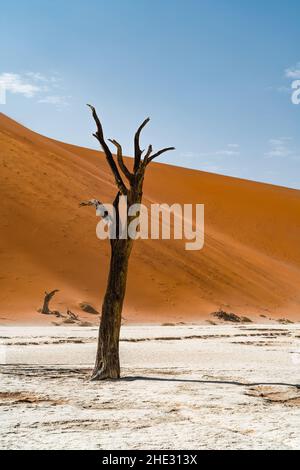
<point>250,263</point>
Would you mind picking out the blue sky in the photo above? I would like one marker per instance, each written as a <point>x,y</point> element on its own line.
<point>215,77</point>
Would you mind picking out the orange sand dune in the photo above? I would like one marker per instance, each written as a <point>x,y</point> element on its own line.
<point>250,263</point>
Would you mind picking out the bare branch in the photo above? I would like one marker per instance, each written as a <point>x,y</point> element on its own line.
<point>155,155</point>
<point>100,208</point>
<point>51,294</point>
<point>109,157</point>
<point>98,123</point>
<point>122,165</point>
<point>117,216</point>
<point>116,201</point>
<point>147,155</point>
<point>137,151</point>
<point>92,202</point>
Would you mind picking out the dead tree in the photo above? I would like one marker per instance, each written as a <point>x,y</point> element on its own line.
<point>47,298</point>
<point>130,184</point>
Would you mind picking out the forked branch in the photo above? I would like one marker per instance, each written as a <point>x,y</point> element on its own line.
<point>148,153</point>
<point>121,163</point>
<point>137,150</point>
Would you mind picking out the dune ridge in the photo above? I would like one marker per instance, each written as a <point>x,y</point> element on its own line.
<point>250,263</point>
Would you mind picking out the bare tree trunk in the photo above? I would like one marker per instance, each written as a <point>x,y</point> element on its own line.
<point>48,297</point>
<point>107,363</point>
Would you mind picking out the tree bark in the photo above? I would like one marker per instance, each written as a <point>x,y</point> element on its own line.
<point>107,363</point>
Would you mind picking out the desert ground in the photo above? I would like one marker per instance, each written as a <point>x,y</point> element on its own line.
<point>189,380</point>
<point>182,387</point>
<point>250,263</point>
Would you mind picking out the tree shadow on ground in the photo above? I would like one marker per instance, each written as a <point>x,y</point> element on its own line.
<point>214,382</point>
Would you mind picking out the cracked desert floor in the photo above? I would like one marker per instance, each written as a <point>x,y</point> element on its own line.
<point>182,387</point>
